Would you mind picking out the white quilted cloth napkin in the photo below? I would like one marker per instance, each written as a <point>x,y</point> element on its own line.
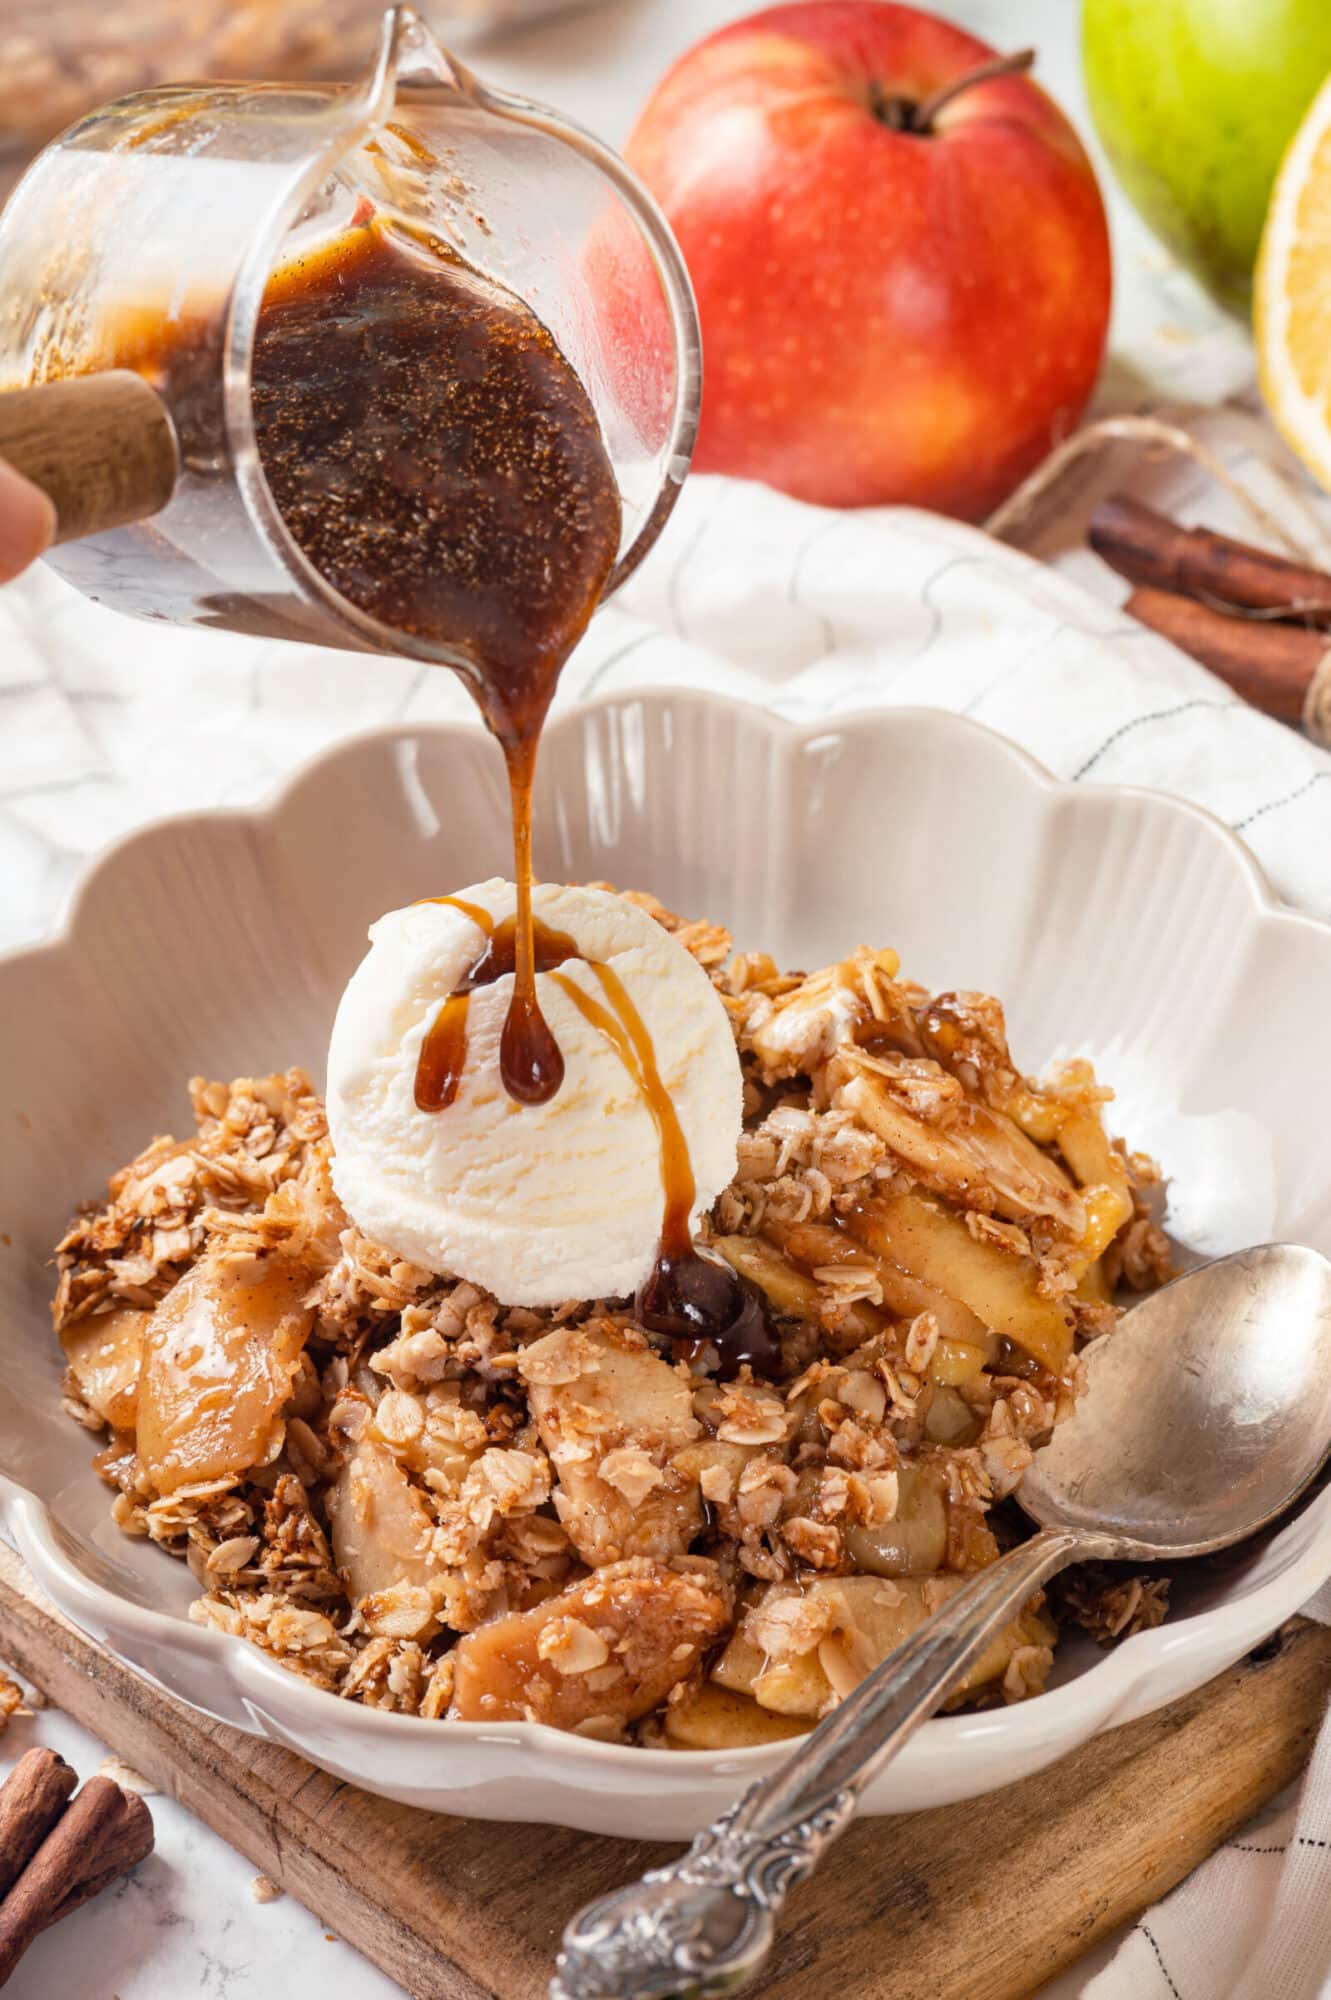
<point>107,723</point>
<point>1253,1923</point>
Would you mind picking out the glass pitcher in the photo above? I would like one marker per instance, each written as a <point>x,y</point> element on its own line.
<point>165,213</point>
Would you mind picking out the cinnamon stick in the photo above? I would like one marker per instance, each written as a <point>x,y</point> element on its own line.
<point>1270,665</point>
<point>32,1799</point>
<point>100,1834</point>
<point>1148,549</point>
<point>128,1840</point>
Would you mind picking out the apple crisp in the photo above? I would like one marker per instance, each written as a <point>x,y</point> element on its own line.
<point>421,1499</point>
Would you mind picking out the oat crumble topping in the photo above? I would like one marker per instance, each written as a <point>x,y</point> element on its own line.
<point>422,1500</point>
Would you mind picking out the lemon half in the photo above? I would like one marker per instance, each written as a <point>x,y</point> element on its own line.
<point>1292,293</point>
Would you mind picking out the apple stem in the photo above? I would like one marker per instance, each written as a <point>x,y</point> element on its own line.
<point>923,115</point>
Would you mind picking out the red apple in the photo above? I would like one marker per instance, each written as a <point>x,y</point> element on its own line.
<point>893,309</point>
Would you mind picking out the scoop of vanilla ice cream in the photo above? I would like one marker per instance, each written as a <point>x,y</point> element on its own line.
<point>536,1203</point>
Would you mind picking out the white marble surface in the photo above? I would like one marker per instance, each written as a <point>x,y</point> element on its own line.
<point>187,1922</point>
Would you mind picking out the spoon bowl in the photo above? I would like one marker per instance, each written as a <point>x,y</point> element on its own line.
<point>1203,1415</point>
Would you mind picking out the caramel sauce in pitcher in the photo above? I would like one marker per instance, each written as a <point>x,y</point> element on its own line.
<point>439,463</point>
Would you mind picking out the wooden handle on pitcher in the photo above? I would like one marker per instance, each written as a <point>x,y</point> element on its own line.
<point>101,447</point>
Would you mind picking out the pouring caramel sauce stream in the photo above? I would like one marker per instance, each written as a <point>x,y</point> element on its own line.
<point>440,464</point>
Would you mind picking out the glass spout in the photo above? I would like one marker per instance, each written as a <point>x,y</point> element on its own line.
<point>413,54</point>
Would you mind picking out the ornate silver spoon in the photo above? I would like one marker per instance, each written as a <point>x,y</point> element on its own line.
<point>1204,1415</point>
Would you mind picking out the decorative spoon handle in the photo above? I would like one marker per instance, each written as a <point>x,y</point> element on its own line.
<point>704,1924</point>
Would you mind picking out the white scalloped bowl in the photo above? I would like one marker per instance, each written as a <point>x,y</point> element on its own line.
<point>1114,923</point>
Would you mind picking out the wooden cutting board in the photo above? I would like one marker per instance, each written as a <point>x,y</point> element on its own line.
<point>980,1901</point>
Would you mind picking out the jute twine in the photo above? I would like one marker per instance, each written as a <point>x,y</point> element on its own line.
<point>1317,703</point>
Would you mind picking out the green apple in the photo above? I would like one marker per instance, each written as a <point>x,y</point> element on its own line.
<point>1195,102</point>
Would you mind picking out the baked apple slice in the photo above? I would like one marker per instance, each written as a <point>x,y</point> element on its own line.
<point>220,1354</point>
<point>105,1353</point>
<point>597,1656</point>
<point>800,1649</point>
<point>613,1415</point>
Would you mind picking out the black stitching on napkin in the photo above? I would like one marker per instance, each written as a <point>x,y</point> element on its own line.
<point>1140,721</point>
<point>1280,1847</point>
<point>1159,1959</point>
<point>1274,805</point>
